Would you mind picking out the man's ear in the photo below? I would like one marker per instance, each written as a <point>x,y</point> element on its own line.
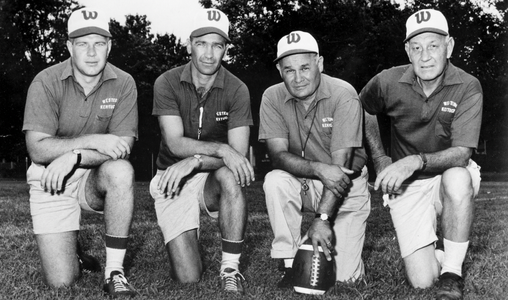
<point>278,68</point>
<point>449,47</point>
<point>189,46</point>
<point>406,47</point>
<point>69,47</point>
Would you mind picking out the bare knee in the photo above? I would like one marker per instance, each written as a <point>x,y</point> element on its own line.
<point>422,281</point>
<point>457,185</point>
<point>227,181</point>
<point>118,172</point>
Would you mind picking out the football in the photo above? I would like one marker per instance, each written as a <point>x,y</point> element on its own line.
<point>312,274</point>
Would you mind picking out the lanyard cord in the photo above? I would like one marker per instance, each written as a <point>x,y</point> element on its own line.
<point>201,93</point>
<point>304,145</point>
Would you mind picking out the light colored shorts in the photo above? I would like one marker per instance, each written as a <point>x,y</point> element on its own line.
<point>181,213</point>
<point>414,213</point>
<point>55,213</point>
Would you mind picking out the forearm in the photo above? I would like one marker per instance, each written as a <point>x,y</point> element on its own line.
<point>294,164</point>
<point>373,137</point>
<point>441,161</point>
<point>329,202</point>
<point>47,149</point>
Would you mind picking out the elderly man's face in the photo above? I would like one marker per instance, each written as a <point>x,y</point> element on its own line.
<point>429,52</point>
<point>301,74</point>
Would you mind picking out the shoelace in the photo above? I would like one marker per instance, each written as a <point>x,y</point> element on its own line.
<point>314,273</point>
<point>120,283</point>
<point>230,280</point>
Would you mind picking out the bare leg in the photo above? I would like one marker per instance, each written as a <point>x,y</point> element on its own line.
<point>422,267</point>
<point>184,256</point>
<point>60,265</point>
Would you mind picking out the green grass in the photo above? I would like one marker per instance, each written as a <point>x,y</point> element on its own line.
<point>147,266</point>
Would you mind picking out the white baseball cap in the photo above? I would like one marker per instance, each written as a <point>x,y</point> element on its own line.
<point>86,21</point>
<point>296,42</point>
<point>210,20</point>
<point>426,20</point>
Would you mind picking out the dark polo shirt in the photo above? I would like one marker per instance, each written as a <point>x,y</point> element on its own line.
<point>450,116</point>
<point>338,123</point>
<point>225,106</point>
<point>57,104</point>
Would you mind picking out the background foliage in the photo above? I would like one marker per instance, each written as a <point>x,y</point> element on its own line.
<point>357,38</point>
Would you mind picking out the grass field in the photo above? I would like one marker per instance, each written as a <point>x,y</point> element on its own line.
<point>486,265</point>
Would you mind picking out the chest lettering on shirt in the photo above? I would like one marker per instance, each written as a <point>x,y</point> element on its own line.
<point>108,103</point>
<point>221,116</point>
<point>327,122</point>
<point>449,107</point>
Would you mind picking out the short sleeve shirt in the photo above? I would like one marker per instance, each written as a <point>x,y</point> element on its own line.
<point>335,121</point>
<point>57,104</point>
<point>224,107</point>
<point>450,116</point>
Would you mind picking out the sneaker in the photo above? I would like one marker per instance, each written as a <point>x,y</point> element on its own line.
<point>449,287</point>
<point>231,281</point>
<point>87,263</point>
<point>287,279</point>
<point>117,285</point>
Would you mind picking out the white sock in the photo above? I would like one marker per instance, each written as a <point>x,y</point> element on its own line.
<point>288,262</point>
<point>230,260</point>
<point>454,256</point>
<point>114,260</point>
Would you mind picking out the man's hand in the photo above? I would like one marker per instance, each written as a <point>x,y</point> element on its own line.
<point>111,145</point>
<point>238,164</point>
<point>334,178</point>
<point>55,173</point>
<point>392,176</point>
<point>169,182</point>
<point>320,233</point>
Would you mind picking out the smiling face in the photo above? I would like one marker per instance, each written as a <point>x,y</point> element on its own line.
<point>301,74</point>
<point>89,55</point>
<point>429,53</point>
<point>207,52</point>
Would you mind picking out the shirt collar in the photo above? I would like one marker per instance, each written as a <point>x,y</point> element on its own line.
<point>107,73</point>
<point>322,92</point>
<point>451,75</point>
<point>218,82</point>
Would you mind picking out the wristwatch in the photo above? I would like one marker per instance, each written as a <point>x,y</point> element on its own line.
<point>200,160</point>
<point>324,217</point>
<point>78,154</point>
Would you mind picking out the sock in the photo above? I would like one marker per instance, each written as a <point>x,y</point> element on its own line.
<point>116,247</point>
<point>231,252</point>
<point>454,256</point>
<point>288,262</point>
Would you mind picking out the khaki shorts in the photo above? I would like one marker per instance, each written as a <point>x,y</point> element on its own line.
<point>414,213</point>
<point>55,213</point>
<point>181,213</point>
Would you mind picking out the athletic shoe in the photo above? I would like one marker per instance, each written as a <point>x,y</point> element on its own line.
<point>287,279</point>
<point>449,287</point>
<point>87,263</point>
<point>231,281</point>
<point>117,285</point>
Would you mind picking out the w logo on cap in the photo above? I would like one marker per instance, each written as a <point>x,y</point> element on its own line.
<point>293,38</point>
<point>87,15</point>
<point>422,16</point>
<point>213,15</point>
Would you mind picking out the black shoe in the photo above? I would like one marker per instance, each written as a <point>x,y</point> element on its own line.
<point>232,281</point>
<point>117,285</point>
<point>449,287</point>
<point>287,279</point>
<point>87,263</point>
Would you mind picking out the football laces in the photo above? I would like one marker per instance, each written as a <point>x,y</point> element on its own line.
<point>314,273</point>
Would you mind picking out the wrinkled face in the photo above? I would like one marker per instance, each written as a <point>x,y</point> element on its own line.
<point>207,52</point>
<point>89,54</point>
<point>429,52</point>
<point>301,74</point>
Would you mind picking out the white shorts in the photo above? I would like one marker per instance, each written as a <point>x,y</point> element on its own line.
<point>181,213</point>
<point>414,213</point>
<point>55,213</point>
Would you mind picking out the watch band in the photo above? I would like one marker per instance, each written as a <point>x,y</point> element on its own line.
<point>200,160</point>
<point>78,159</point>
<point>424,160</point>
<point>324,217</point>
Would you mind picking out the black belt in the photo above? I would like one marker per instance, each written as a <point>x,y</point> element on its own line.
<point>355,175</point>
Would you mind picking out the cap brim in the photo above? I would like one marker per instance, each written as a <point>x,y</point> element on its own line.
<point>206,30</point>
<point>422,30</point>
<point>89,30</point>
<point>293,51</point>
